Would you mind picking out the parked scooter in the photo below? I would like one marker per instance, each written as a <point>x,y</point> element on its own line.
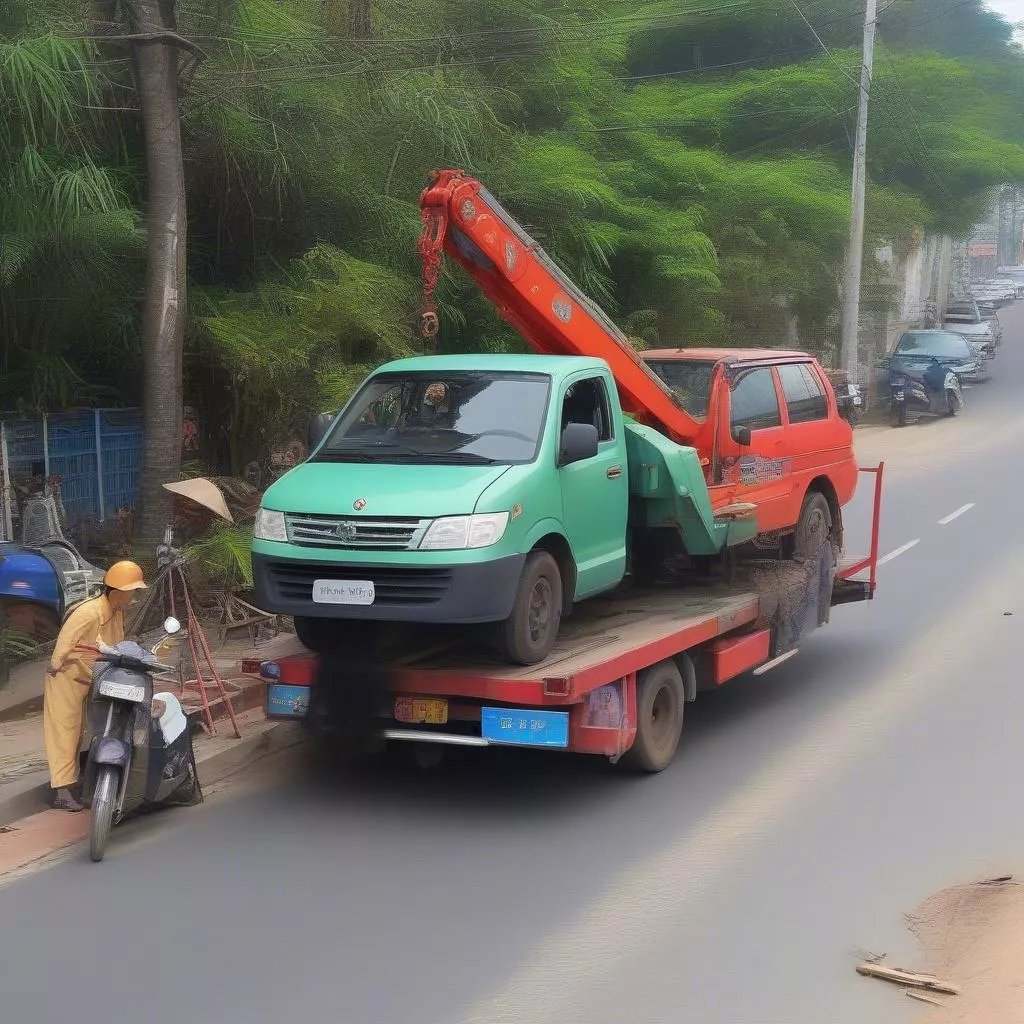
<point>849,397</point>
<point>141,751</point>
<point>934,390</point>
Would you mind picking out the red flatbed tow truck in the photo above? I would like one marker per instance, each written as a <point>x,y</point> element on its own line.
<point>619,676</point>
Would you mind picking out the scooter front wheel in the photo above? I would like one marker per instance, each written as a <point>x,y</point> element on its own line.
<point>103,800</point>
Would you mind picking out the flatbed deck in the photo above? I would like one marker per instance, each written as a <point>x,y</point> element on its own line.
<point>621,671</point>
<point>605,639</point>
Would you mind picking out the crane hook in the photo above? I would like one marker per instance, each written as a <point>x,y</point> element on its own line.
<point>429,325</point>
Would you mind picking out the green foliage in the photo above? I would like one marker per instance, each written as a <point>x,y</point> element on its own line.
<point>688,164</point>
<point>222,559</point>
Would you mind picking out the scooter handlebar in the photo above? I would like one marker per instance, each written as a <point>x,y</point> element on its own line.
<point>112,654</point>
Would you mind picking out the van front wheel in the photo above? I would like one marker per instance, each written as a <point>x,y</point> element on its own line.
<point>529,633</point>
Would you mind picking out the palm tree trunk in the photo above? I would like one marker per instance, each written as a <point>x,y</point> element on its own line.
<point>359,12</point>
<point>163,322</point>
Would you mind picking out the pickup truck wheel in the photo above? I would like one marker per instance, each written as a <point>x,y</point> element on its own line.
<point>528,634</point>
<point>814,540</point>
<point>660,699</point>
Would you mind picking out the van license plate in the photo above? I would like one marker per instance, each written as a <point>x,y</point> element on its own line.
<point>421,711</point>
<point>343,592</point>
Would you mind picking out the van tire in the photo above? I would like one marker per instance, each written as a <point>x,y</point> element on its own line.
<point>660,702</point>
<point>527,636</point>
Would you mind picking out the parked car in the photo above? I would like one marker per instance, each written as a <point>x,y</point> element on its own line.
<point>991,293</point>
<point>1016,274</point>
<point>964,318</point>
<point>1008,286</point>
<point>919,349</point>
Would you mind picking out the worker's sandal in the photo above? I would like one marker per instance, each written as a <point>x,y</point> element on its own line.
<point>64,800</point>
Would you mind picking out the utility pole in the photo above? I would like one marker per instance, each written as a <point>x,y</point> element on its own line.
<point>855,253</point>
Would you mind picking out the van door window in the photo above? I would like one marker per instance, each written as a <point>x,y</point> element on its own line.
<point>753,401</point>
<point>586,401</point>
<point>805,397</point>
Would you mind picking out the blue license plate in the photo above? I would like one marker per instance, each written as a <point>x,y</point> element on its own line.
<point>524,727</point>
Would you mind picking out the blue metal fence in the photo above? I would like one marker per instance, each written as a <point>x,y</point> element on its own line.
<point>97,453</point>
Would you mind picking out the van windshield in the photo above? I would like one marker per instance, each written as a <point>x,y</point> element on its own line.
<point>689,380</point>
<point>441,417</point>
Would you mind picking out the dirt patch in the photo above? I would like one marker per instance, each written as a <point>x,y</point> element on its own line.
<point>973,936</point>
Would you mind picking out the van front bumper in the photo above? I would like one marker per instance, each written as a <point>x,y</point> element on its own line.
<point>463,593</point>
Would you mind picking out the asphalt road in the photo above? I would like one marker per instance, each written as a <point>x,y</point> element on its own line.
<point>810,809</point>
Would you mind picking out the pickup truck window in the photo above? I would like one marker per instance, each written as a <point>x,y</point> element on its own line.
<point>586,401</point>
<point>805,397</point>
<point>442,417</point>
<point>754,403</point>
<point>689,380</point>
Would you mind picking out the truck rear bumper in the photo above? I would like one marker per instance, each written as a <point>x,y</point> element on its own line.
<point>466,593</point>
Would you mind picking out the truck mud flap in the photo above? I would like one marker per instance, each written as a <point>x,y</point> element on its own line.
<point>851,592</point>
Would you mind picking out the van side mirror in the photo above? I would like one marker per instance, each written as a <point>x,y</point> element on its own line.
<point>579,442</point>
<point>318,426</point>
<point>741,435</point>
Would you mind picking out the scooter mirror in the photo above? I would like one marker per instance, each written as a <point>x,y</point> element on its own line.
<point>171,625</point>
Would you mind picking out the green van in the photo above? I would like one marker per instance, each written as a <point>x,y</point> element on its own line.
<point>454,489</point>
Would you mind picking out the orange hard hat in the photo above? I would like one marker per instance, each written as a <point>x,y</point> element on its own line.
<point>124,576</point>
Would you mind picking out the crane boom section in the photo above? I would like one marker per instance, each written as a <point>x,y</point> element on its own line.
<point>532,293</point>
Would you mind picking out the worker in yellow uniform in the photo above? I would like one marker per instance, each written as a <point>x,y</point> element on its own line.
<point>100,620</point>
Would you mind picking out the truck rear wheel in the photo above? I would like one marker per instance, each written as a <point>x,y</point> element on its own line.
<point>528,634</point>
<point>660,700</point>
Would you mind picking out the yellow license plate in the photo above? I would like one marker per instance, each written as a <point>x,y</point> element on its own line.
<point>421,710</point>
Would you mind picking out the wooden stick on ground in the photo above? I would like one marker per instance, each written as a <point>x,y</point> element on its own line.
<point>901,977</point>
<point>922,998</point>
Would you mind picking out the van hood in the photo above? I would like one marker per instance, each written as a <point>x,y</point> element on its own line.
<point>388,489</point>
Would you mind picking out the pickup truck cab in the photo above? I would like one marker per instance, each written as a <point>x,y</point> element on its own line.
<point>461,489</point>
<point>771,432</point>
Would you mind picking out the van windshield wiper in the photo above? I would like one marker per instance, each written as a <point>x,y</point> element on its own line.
<point>352,450</point>
<point>357,450</point>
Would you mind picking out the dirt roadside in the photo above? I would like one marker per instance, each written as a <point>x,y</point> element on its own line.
<point>972,936</point>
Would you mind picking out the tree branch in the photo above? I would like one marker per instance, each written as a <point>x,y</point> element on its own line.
<point>163,36</point>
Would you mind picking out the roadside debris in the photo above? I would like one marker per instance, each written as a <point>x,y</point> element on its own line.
<point>922,998</point>
<point>901,976</point>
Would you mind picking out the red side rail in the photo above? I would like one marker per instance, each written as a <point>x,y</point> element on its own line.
<point>871,561</point>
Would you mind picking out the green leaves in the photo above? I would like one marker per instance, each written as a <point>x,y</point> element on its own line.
<point>688,164</point>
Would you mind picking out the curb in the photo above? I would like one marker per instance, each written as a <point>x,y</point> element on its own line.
<point>29,796</point>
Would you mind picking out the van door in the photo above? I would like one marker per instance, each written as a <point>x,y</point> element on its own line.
<point>595,491</point>
<point>761,472</point>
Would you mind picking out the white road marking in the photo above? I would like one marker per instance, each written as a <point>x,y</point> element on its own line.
<point>562,980</point>
<point>957,514</point>
<point>899,551</point>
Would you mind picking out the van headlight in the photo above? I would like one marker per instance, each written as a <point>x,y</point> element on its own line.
<point>457,533</point>
<point>270,525</point>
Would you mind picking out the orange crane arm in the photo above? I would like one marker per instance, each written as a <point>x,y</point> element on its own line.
<point>532,293</point>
